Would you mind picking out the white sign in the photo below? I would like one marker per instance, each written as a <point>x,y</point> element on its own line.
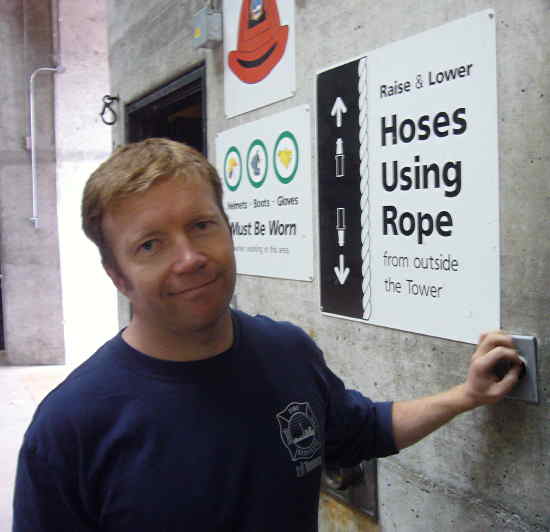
<point>266,171</point>
<point>259,53</point>
<point>429,181</point>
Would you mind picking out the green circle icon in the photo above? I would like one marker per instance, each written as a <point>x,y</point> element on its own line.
<point>286,157</point>
<point>232,168</point>
<point>257,163</point>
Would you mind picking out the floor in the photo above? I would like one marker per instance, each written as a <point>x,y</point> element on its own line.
<point>21,389</point>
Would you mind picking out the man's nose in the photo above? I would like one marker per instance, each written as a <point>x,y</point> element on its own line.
<point>187,257</point>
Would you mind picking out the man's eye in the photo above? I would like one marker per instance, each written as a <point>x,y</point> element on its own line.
<point>203,225</point>
<point>148,246</point>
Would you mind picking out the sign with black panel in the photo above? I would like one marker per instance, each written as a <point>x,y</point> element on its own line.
<point>408,183</point>
<point>339,179</point>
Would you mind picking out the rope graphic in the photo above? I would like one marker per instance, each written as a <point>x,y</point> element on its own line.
<point>364,187</point>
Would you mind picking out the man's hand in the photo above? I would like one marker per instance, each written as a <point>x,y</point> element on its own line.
<point>413,420</point>
<point>482,385</point>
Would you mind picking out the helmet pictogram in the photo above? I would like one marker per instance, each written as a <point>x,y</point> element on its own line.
<point>261,42</point>
<point>232,168</point>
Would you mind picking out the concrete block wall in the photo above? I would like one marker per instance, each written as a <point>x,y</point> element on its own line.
<point>29,257</point>
<point>488,469</point>
<point>58,304</point>
<point>83,141</point>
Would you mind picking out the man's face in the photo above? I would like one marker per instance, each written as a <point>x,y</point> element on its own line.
<point>174,253</point>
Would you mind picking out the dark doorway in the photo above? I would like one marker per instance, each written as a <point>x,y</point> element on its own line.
<point>175,111</point>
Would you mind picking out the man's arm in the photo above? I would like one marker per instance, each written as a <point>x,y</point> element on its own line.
<point>415,419</point>
<point>45,500</point>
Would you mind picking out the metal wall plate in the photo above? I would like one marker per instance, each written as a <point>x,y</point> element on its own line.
<point>527,387</point>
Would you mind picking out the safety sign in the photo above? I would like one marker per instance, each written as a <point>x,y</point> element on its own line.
<point>266,172</point>
<point>408,183</point>
<point>259,55</point>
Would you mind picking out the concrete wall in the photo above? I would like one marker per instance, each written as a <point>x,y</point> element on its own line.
<point>83,141</point>
<point>59,305</point>
<point>489,469</point>
<point>29,256</point>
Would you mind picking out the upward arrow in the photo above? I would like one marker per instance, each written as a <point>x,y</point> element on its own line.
<point>338,108</point>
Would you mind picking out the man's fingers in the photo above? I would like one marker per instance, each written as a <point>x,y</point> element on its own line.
<point>499,355</point>
<point>482,337</point>
<point>507,383</point>
<point>495,367</point>
<point>492,340</point>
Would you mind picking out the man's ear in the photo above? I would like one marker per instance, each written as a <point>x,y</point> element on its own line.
<point>118,279</point>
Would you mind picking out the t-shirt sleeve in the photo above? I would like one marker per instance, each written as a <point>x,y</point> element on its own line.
<point>356,427</point>
<point>45,500</point>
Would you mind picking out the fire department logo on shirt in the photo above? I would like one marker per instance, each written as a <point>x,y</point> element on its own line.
<point>299,431</point>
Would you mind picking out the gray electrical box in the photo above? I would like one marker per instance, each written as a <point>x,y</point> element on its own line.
<point>207,28</point>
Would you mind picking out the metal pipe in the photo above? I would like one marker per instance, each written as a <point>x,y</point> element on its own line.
<point>34,218</point>
<point>55,33</point>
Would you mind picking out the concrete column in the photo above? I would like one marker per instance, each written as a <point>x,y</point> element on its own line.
<point>29,256</point>
<point>83,141</point>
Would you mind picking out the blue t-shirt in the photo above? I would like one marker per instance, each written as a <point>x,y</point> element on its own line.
<point>233,443</point>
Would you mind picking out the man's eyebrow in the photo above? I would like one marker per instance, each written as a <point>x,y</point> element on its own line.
<point>205,213</point>
<point>147,232</point>
<point>139,236</point>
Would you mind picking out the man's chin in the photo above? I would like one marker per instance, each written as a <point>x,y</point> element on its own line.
<point>201,322</point>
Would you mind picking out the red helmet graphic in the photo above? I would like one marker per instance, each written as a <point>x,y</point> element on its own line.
<point>262,41</point>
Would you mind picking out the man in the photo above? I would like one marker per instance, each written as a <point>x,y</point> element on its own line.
<point>196,417</point>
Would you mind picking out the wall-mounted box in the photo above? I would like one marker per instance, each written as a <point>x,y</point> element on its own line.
<point>356,487</point>
<point>207,29</point>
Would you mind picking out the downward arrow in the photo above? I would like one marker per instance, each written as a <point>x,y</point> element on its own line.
<point>341,272</point>
<point>338,108</point>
